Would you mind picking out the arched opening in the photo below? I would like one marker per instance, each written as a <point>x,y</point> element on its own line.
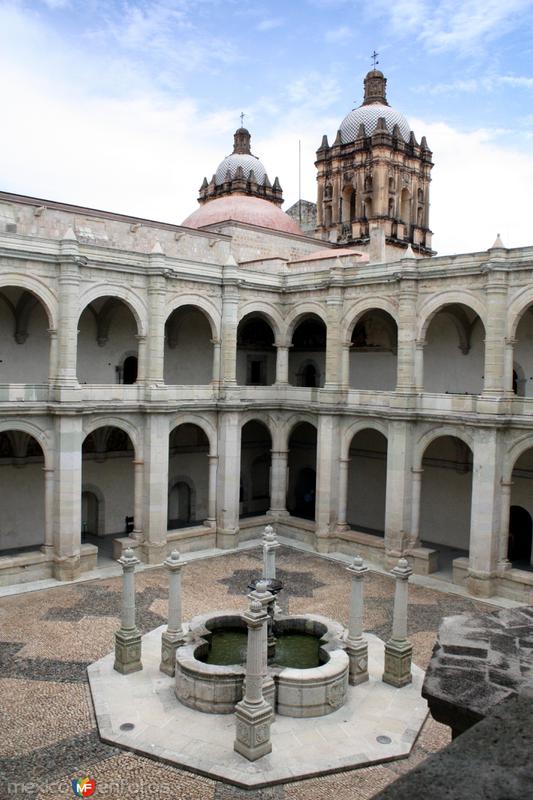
<point>523,352</point>
<point>129,370</point>
<point>188,348</point>
<point>107,500</point>
<point>301,494</point>
<point>188,476</point>
<point>348,204</point>
<point>256,354</point>
<point>368,207</point>
<point>520,526</point>
<point>454,351</point>
<point>307,356</point>
<point>256,444</point>
<point>24,333</point>
<point>22,520</point>
<point>373,352</point>
<point>327,216</point>
<point>367,482</point>
<point>405,206</point>
<point>445,500</point>
<point>107,330</point>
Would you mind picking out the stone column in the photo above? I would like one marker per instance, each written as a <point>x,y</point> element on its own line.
<point>228,481</point>
<point>141,358</point>
<point>398,650</point>
<point>128,638</point>
<point>356,645</point>
<point>345,365</point>
<point>253,715</point>
<point>333,341</point>
<point>506,489</point>
<point>230,313</point>
<point>416,490</point>
<point>486,512</point>
<point>278,483</point>
<point>48,510</point>
<point>344,467</point>
<point>270,545</point>
<point>407,319</point>
<point>326,487</point>
<point>138,499</point>
<point>155,488</point>
<point>67,496</point>
<point>496,291</point>
<point>508,367</point>
<point>212,492</point>
<point>174,636</point>
<point>282,364</point>
<point>419,365</point>
<point>68,299</point>
<point>52,356</point>
<point>156,332</point>
<point>398,514</point>
<point>216,362</point>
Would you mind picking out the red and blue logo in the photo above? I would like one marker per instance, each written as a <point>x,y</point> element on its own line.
<point>83,787</point>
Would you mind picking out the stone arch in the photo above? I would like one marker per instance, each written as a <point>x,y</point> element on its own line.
<point>131,299</point>
<point>133,432</point>
<point>303,371</point>
<point>300,314</point>
<point>294,420</point>
<point>206,307</point>
<point>263,417</point>
<point>353,428</point>
<point>357,311</point>
<point>517,449</point>
<point>437,302</point>
<point>437,433</point>
<point>517,309</point>
<point>39,289</point>
<point>195,419</point>
<point>264,310</point>
<point>41,436</point>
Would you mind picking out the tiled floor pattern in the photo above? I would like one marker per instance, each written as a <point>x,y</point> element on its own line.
<point>47,638</point>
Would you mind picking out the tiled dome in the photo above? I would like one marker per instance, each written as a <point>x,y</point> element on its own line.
<point>245,160</point>
<point>241,208</point>
<point>368,115</point>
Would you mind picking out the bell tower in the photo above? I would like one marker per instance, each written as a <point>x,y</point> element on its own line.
<point>375,177</point>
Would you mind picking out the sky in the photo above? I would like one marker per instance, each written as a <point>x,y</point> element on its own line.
<point>125,106</point>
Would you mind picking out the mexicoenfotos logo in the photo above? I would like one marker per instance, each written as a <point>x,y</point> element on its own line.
<point>83,787</point>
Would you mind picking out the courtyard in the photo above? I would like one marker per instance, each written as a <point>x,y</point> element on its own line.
<point>49,637</point>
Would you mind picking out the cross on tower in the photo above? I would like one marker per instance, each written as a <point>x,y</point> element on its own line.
<point>374,58</point>
<point>242,118</point>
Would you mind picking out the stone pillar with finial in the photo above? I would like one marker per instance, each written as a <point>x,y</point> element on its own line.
<point>356,644</point>
<point>253,715</point>
<point>174,636</point>
<point>270,545</point>
<point>398,650</point>
<point>128,638</point>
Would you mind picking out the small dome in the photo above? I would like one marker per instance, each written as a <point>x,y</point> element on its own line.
<point>245,160</point>
<point>242,208</point>
<point>368,115</point>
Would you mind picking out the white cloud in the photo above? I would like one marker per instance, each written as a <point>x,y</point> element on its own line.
<point>269,24</point>
<point>486,83</point>
<point>338,35</point>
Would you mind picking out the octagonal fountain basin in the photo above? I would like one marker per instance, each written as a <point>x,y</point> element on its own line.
<point>309,669</point>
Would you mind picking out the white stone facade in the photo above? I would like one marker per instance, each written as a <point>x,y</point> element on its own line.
<point>407,395</point>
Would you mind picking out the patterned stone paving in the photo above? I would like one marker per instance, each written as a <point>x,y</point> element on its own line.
<point>48,734</point>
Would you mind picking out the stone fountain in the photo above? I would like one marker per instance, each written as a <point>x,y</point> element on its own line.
<point>291,696</point>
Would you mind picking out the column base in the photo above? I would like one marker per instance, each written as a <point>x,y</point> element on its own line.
<point>66,569</point>
<point>398,658</point>
<point>169,644</point>
<point>322,544</point>
<point>227,539</point>
<point>252,735</point>
<point>341,527</point>
<point>358,655</point>
<point>127,651</point>
<point>481,585</point>
<point>153,553</point>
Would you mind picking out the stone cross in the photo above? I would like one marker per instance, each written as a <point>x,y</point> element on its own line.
<point>174,636</point>
<point>356,644</point>
<point>253,715</point>
<point>398,650</point>
<point>128,638</point>
<point>270,545</point>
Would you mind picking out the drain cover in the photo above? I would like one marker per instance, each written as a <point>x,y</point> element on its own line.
<point>381,739</point>
<point>129,726</point>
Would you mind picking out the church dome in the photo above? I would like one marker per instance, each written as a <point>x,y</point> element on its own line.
<point>232,163</point>
<point>242,208</point>
<point>368,116</point>
<point>374,107</point>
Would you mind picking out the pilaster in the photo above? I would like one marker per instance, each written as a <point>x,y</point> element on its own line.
<point>230,311</point>
<point>228,483</point>
<point>398,508</point>
<point>155,488</point>
<point>67,496</point>
<point>326,477</point>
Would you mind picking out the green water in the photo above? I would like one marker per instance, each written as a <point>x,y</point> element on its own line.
<point>298,650</point>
